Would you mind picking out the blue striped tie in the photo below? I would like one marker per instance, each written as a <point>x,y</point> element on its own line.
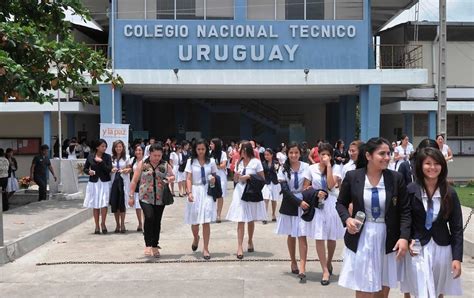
<point>296,183</point>
<point>429,215</point>
<point>375,203</point>
<point>203,176</point>
<point>324,183</point>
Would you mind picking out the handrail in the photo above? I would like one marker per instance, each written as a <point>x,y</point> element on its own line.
<point>391,56</point>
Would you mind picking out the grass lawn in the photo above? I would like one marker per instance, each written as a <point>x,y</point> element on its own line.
<point>466,195</point>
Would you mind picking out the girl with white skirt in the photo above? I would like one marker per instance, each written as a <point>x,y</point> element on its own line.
<point>221,162</point>
<point>98,166</point>
<point>289,223</point>
<point>271,190</point>
<point>241,211</point>
<point>120,166</point>
<point>183,159</point>
<point>433,267</point>
<point>327,225</point>
<point>200,208</point>
<point>12,184</point>
<point>138,151</point>
<point>174,162</point>
<point>374,248</point>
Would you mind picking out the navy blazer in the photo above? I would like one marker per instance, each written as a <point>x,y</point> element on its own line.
<point>253,189</point>
<point>290,203</point>
<point>443,231</point>
<point>397,207</point>
<point>102,169</point>
<point>270,172</point>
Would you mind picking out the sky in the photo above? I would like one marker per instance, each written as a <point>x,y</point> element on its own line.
<point>457,11</point>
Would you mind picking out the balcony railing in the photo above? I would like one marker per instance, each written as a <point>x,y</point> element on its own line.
<point>396,56</point>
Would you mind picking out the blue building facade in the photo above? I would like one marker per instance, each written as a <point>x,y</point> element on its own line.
<point>273,70</point>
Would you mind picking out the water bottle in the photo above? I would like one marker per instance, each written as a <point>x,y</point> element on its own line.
<point>212,185</point>
<point>360,217</point>
<point>416,247</point>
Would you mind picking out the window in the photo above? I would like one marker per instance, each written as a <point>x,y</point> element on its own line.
<point>304,9</point>
<point>195,9</point>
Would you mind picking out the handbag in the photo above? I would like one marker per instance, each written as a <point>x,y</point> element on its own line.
<point>168,198</point>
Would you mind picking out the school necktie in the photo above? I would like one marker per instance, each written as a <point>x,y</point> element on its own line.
<point>375,203</point>
<point>429,215</point>
<point>324,183</point>
<point>296,183</point>
<point>405,154</point>
<point>203,176</point>
<point>243,172</point>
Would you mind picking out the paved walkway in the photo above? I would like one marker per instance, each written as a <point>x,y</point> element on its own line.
<point>168,276</point>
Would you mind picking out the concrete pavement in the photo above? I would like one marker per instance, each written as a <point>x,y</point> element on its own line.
<point>266,276</point>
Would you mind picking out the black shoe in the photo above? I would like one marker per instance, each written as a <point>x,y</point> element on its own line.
<point>139,230</point>
<point>302,278</point>
<point>325,282</point>
<point>123,231</point>
<point>264,222</point>
<point>274,219</point>
<point>194,247</point>
<point>117,230</point>
<point>250,249</point>
<point>97,232</point>
<point>240,257</point>
<point>104,230</point>
<point>207,258</point>
<point>295,271</point>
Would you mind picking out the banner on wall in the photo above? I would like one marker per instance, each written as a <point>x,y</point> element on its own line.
<point>114,132</point>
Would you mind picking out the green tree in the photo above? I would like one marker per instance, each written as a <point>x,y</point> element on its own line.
<point>35,42</point>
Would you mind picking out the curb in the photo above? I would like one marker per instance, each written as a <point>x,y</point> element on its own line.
<point>24,245</point>
<point>468,248</point>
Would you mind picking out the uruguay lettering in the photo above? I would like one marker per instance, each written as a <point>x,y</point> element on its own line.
<point>237,52</point>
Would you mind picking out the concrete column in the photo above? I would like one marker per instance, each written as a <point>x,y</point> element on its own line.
<point>332,125</point>
<point>350,119</point>
<point>246,131</point>
<point>408,127</point>
<point>369,111</point>
<point>432,124</point>
<point>240,10</point>
<point>133,106</point>
<point>47,130</point>
<point>205,121</point>
<point>71,125</point>
<point>105,94</point>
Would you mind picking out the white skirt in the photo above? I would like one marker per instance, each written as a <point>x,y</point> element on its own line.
<point>429,273</point>
<point>97,195</point>
<point>242,211</point>
<point>272,192</point>
<point>370,268</point>
<point>326,224</point>
<point>202,210</point>
<point>223,177</point>
<point>175,171</point>
<point>12,185</point>
<point>136,205</point>
<point>181,176</point>
<point>292,226</point>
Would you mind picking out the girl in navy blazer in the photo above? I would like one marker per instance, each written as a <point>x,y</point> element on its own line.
<point>373,251</point>
<point>98,166</point>
<point>434,269</point>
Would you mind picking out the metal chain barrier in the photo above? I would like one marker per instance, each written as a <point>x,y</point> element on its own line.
<point>158,261</point>
<point>468,219</point>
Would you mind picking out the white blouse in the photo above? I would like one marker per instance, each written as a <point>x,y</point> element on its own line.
<point>368,197</point>
<point>195,170</point>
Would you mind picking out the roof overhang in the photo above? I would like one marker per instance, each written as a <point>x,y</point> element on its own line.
<point>402,107</point>
<point>33,107</point>
<point>384,11</point>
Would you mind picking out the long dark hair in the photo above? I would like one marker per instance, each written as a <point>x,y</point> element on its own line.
<point>114,150</point>
<point>246,147</point>
<point>217,152</point>
<point>194,155</point>
<point>442,183</point>
<point>369,147</point>
<point>338,143</point>
<point>425,143</point>
<point>326,147</point>
<point>286,165</point>
<point>98,143</point>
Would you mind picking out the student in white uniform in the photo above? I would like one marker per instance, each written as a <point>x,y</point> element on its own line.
<point>271,190</point>
<point>434,264</point>
<point>138,152</point>
<point>289,223</point>
<point>147,148</point>
<point>221,161</point>
<point>327,224</point>
<point>200,208</point>
<point>447,153</point>
<point>374,251</point>
<point>241,211</point>
<point>174,162</point>
<point>403,151</point>
<point>281,154</point>
<point>120,165</point>
<point>183,159</point>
